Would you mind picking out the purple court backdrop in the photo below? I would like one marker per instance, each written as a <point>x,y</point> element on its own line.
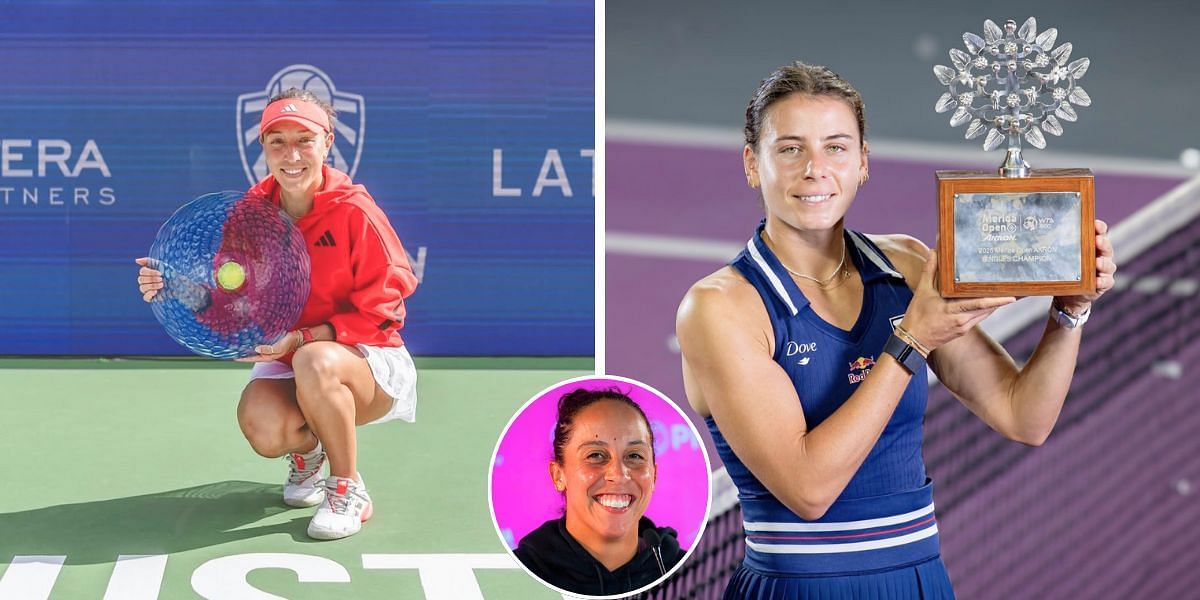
<point>523,497</point>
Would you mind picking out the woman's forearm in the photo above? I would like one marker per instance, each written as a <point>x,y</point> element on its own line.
<point>832,452</point>
<point>1039,389</point>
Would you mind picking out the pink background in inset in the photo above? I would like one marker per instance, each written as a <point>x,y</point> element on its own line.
<point>523,497</point>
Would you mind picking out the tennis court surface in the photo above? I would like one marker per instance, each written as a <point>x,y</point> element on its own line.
<point>133,476</point>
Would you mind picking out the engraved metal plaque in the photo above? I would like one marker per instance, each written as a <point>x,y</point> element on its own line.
<point>1014,237</point>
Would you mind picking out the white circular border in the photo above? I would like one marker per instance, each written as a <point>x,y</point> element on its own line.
<point>703,452</point>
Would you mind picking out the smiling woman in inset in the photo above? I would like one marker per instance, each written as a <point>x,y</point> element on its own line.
<point>604,466</point>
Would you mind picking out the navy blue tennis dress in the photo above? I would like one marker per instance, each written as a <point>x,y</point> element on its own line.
<point>879,540</point>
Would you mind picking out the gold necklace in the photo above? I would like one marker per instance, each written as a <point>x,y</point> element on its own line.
<point>826,281</point>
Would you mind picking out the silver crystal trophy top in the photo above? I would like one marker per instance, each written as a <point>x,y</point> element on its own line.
<point>1022,85</point>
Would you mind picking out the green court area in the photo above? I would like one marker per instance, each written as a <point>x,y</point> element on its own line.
<point>142,461</point>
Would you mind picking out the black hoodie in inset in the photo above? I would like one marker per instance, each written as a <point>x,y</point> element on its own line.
<point>556,558</point>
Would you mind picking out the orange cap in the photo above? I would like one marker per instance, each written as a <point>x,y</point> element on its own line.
<point>304,113</point>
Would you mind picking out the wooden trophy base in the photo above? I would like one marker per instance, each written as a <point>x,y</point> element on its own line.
<point>1016,236</point>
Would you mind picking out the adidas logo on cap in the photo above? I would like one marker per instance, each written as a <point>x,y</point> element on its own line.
<point>289,108</point>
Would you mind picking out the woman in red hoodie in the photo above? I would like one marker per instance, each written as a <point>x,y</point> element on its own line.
<point>345,364</point>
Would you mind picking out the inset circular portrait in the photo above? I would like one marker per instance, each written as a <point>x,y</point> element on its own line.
<point>600,487</point>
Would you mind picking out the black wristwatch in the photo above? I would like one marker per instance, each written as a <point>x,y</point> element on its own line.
<point>906,355</point>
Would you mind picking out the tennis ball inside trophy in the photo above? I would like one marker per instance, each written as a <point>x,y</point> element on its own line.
<point>235,274</point>
<point>231,276</point>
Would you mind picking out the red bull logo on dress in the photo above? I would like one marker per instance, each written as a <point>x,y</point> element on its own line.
<point>860,368</point>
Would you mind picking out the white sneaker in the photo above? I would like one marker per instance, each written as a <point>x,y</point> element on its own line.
<point>346,506</point>
<point>304,485</point>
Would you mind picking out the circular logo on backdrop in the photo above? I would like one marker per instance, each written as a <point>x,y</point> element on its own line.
<point>349,128</point>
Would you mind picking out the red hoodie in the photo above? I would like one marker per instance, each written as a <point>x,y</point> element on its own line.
<point>360,274</point>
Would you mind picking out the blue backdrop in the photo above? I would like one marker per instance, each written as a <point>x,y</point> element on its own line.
<point>471,124</point>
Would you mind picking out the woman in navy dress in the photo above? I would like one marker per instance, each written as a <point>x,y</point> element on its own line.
<point>807,356</point>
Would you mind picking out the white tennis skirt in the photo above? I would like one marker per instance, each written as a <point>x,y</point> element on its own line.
<point>393,369</point>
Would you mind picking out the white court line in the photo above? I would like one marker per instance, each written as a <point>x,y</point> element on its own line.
<point>30,577</point>
<point>225,576</point>
<point>667,246</point>
<point>136,577</point>
<point>443,576</point>
<point>704,136</point>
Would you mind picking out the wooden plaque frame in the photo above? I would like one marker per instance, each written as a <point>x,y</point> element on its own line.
<point>1039,180</point>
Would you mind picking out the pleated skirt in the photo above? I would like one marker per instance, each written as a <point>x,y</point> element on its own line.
<point>923,581</point>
